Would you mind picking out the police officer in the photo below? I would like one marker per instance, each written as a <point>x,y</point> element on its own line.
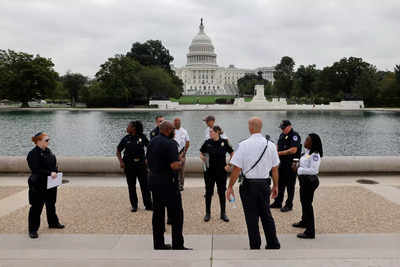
<point>254,158</point>
<point>289,147</point>
<point>133,163</point>
<point>308,169</point>
<point>42,163</point>
<point>216,148</point>
<point>163,161</point>
<point>156,130</point>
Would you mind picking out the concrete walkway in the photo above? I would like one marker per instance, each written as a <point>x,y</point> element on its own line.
<point>218,250</point>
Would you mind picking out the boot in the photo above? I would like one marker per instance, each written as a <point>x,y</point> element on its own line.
<point>207,217</point>
<point>222,204</point>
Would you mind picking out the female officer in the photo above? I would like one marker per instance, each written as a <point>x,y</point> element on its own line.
<point>134,164</point>
<point>216,147</point>
<point>307,170</point>
<point>42,163</point>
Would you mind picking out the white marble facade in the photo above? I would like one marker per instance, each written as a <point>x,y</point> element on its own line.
<point>202,75</point>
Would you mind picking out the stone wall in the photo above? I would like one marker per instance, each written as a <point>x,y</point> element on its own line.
<point>110,165</point>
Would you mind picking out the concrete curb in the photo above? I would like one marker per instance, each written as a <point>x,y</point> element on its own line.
<point>110,165</point>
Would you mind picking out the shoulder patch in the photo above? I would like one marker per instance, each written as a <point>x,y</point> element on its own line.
<point>295,138</point>
<point>315,157</point>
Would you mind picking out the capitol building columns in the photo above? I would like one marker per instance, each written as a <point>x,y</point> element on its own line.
<point>202,75</point>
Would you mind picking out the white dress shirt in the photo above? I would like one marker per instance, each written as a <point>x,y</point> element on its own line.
<point>181,137</point>
<point>207,134</point>
<point>309,164</point>
<point>249,152</point>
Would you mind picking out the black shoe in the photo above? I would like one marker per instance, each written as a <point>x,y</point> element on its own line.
<point>57,226</point>
<point>286,208</point>
<point>164,247</point>
<point>149,208</point>
<point>275,205</point>
<point>169,221</point>
<point>180,188</point>
<point>33,235</point>
<point>207,217</point>
<point>224,217</point>
<point>278,246</point>
<point>299,224</point>
<point>134,209</point>
<point>182,248</point>
<point>305,236</point>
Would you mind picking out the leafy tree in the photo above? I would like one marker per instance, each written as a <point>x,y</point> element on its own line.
<point>306,80</point>
<point>74,83</point>
<point>151,53</point>
<point>247,83</point>
<point>118,77</point>
<point>283,75</point>
<point>26,77</point>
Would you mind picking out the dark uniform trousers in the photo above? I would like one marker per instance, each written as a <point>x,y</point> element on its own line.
<point>287,179</point>
<point>37,199</point>
<point>167,196</point>
<point>211,178</point>
<point>138,172</point>
<point>255,196</point>
<point>308,185</point>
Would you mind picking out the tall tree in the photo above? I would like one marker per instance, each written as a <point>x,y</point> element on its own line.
<point>283,75</point>
<point>26,77</point>
<point>247,83</point>
<point>306,78</point>
<point>74,83</point>
<point>151,53</point>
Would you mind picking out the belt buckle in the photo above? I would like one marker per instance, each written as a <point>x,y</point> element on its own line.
<point>136,160</point>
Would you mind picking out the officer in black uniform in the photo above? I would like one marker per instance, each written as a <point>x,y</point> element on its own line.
<point>133,163</point>
<point>163,161</point>
<point>289,147</point>
<point>156,131</point>
<point>43,163</point>
<point>217,148</point>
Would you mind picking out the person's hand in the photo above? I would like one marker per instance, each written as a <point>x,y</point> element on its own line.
<point>227,168</point>
<point>274,191</point>
<point>203,158</point>
<point>54,175</point>
<point>229,193</point>
<point>295,167</point>
<point>122,164</point>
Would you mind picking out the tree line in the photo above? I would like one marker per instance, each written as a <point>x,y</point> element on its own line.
<point>123,80</point>
<point>347,79</point>
<point>145,72</point>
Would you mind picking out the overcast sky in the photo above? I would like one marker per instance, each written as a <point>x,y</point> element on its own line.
<point>81,35</point>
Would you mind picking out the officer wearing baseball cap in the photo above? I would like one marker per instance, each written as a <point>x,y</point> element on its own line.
<point>289,147</point>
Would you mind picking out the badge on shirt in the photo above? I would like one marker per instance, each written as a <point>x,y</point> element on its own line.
<point>222,144</point>
<point>295,138</point>
<point>315,158</point>
<point>153,133</point>
<point>286,136</point>
<point>139,141</point>
<point>307,156</point>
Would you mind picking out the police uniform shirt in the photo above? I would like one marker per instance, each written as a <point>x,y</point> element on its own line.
<point>309,164</point>
<point>285,142</point>
<point>181,137</point>
<point>249,152</point>
<point>154,132</point>
<point>217,152</point>
<point>207,134</point>
<point>133,148</point>
<point>161,152</point>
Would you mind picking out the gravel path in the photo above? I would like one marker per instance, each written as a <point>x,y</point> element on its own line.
<point>106,210</point>
<point>7,191</point>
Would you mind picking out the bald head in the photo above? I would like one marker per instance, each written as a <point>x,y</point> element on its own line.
<point>255,125</point>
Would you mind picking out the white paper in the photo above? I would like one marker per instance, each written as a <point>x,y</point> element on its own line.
<point>54,182</point>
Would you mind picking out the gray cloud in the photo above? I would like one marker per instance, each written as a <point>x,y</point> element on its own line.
<point>81,35</point>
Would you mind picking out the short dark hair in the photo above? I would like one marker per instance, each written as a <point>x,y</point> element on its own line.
<point>217,129</point>
<point>316,144</point>
<point>138,125</point>
<point>159,116</point>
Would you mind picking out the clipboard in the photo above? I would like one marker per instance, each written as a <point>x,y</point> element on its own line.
<point>54,182</point>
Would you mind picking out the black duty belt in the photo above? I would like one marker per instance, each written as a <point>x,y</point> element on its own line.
<point>263,180</point>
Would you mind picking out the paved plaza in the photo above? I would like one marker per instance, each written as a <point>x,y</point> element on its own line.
<point>357,225</point>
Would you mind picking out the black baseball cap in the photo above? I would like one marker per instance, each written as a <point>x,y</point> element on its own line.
<point>209,118</point>
<point>284,124</point>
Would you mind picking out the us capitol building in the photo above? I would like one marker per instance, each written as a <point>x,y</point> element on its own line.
<point>202,75</point>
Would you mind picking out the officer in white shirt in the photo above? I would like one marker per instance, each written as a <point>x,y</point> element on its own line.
<point>254,158</point>
<point>182,138</point>
<point>308,169</point>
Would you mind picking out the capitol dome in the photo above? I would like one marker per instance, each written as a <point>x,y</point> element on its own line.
<point>201,50</point>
